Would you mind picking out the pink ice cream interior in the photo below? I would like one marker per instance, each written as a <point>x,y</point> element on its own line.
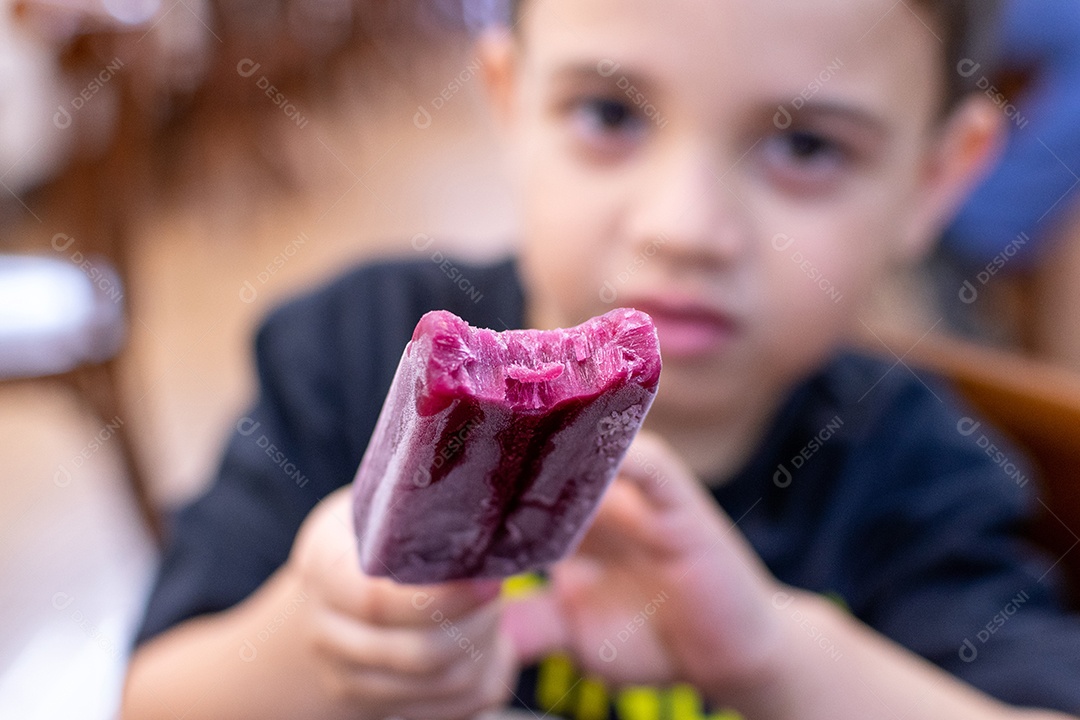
<point>533,370</point>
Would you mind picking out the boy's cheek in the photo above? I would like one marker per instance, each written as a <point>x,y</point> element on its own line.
<point>558,276</point>
<point>566,250</point>
<point>811,307</point>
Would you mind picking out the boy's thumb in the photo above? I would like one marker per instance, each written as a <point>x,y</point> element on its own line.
<point>536,626</point>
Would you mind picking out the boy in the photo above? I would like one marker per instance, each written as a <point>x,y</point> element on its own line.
<point>664,165</point>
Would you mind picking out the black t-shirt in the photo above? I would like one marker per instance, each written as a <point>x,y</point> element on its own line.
<point>867,486</point>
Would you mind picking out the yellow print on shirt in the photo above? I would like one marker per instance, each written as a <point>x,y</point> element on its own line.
<point>560,689</point>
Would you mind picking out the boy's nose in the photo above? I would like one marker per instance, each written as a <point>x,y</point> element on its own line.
<point>690,208</point>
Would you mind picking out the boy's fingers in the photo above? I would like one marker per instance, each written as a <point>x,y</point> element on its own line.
<point>337,510</point>
<point>385,602</point>
<point>419,652</point>
<point>536,627</point>
<point>473,680</point>
<point>656,504</point>
<point>621,524</point>
<point>380,600</point>
<point>664,480</point>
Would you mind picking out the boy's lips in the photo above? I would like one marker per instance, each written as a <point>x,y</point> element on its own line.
<point>687,329</point>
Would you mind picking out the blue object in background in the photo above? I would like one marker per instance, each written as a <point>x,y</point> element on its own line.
<point>1017,208</point>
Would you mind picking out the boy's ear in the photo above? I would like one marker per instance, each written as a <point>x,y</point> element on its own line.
<point>498,52</point>
<point>966,148</point>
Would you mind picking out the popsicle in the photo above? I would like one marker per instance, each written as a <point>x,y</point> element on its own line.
<point>493,449</point>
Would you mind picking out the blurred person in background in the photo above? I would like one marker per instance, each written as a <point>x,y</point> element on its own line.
<point>118,93</point>
<point>76,556</point>
<point>201,142</point>
<point>80,81</point>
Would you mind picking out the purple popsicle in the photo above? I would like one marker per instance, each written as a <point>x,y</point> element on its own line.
<point>493,448</point>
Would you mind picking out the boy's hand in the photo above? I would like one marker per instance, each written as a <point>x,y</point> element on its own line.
<point>379,649</point>
<point>663,588</point>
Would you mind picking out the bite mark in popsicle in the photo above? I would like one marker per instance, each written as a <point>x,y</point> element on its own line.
<point>493,448</point>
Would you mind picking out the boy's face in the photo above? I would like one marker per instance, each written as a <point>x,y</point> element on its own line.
<point>740,169</point>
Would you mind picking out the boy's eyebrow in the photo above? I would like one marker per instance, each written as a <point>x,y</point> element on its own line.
<point>835,110</point>
<point>581,68</point>
<point>600,69</point>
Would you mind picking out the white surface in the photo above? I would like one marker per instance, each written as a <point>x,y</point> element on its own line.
<point>75,561</point>
<point>40,297</point>
<point>54,316</point>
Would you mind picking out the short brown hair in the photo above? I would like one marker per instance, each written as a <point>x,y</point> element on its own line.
<point>967,30</point>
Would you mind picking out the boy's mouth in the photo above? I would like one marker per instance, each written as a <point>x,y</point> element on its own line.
<point>687,329</point>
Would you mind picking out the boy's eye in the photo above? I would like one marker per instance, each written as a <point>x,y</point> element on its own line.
<point>604,124</point>
<point>805,161</point>
<point>609,114</point>
<point>807,145</point>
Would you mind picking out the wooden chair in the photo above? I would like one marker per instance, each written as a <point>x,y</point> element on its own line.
<point>1035,405</point>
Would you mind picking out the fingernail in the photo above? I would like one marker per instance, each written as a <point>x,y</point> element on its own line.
<point>485,590</point>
